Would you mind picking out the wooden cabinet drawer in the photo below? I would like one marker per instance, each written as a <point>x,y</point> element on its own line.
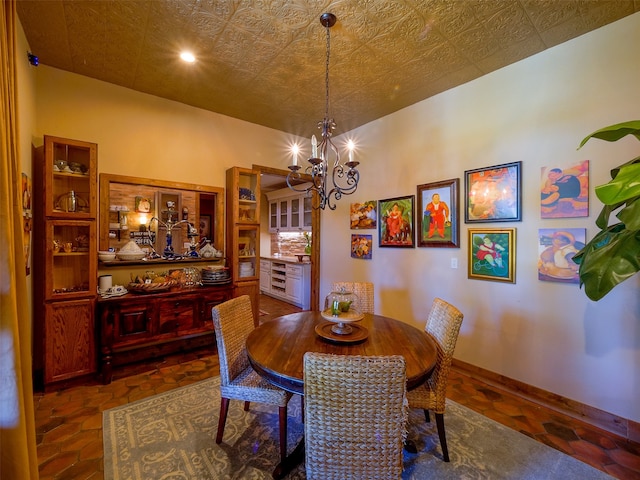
<point>294,271</point>
<point>177,314</point>
<point>207,303</point>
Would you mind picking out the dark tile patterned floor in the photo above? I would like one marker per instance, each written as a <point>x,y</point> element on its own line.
<point>69,422</point>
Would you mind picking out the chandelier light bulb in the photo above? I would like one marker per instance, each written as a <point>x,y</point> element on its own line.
<point>295,149</point>
<point>351,146</point>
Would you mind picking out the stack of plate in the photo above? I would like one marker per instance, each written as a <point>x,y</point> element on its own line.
<point>215,275</point>
<point>246,269</point>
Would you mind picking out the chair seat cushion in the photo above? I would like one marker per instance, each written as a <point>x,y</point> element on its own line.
<point>251,387</point>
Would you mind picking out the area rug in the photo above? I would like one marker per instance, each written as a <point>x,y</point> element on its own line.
<point>172,436</point>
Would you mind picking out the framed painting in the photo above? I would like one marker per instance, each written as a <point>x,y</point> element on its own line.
<point>143,205</point>
<point>492,254</point>
<point>363,216</point>
<point>204,230</point>
<point>438,217</point>
<point>564,190</point>
<point>362,246</point>
<point>556,249</point>
<point>395,225</point>
<point>493,194</point>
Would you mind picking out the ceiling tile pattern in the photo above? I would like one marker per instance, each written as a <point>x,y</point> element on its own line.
<point>263,61</point>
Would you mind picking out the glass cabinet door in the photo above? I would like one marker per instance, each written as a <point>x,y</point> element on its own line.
<point>307,212</point>
<point>284,214</point>
<point>70,245</point>
<point>247,200</point>
<point>295,213</point>
<point>70,178</point>
<point>273,216</point>
<point>247,252</point>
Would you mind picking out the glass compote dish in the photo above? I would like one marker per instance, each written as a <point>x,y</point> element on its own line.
<point>340,308</point>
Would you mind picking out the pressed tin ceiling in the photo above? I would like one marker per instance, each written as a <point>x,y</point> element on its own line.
<point>263,61</point>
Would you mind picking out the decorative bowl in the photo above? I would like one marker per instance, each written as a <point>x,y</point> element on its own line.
<point>129,256</point>
<point>105,256</point>
<point>151,287</point>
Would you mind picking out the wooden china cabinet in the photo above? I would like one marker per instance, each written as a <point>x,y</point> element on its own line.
<point>65,260</point>
<point>243,233</point>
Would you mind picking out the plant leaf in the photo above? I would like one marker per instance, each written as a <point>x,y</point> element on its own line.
<point>615,132</point>
<point>630,215</point>
<point>602,222</point>
<point>624,186</point>
<point>611,257</point>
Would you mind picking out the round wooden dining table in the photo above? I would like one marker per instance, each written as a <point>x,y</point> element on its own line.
<point>276,348</point>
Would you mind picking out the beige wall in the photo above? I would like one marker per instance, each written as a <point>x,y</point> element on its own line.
<point>537,111</point>
<point>144,135</point>
<point>544,334</point>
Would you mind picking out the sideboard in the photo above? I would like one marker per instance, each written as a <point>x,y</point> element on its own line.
<point>136,327</point>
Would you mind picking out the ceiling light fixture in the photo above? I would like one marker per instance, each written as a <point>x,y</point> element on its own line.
<point>344,177</point>
<point>188,57</point>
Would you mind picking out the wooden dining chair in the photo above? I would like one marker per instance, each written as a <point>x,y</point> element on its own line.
<point>443,324</point>
<point>233,322</point>
<point>364,291</point>
<point>355,416</point>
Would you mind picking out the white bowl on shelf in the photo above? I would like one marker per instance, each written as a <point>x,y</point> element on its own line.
<point>106,256</point>
<point>130,256</point>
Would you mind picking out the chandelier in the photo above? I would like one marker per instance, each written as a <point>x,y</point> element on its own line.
<point>330,178</point>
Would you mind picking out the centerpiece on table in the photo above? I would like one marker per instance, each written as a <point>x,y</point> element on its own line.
<point>340,308</point>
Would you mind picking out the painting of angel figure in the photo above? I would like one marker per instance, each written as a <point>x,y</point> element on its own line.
<point>556,249</point>
<point>564,190</point>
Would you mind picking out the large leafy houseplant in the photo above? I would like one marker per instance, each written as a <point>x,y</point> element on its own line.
<point>613,254</point>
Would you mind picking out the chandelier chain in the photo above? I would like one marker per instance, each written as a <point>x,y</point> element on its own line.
<point>326,74</point>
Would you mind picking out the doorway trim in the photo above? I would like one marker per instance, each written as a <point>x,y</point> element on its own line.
<point>315,234</point>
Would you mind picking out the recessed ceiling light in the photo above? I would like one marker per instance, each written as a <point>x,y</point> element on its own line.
<point>187,57</point>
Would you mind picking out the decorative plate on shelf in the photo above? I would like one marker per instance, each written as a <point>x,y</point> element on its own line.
<point>151,287</point>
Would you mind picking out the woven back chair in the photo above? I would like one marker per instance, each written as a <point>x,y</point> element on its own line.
<point>364,291</point>
<point>443,324</point>
<point>355,416</point>
<point>233,322</point>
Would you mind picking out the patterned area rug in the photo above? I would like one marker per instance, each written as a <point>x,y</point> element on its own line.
<point>172,436</point>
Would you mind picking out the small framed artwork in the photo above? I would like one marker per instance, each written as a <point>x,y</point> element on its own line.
<point>143,205</point>
<point>361,246</point>
<point>438,214</point>
<point>564,190</point>
<point>493,194</point>
<point>26,192</point>
<point>204,230</point>
<point>363,216</point>
<point>395,225</point>
<point>556,249</point>
<point>492,254</point>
